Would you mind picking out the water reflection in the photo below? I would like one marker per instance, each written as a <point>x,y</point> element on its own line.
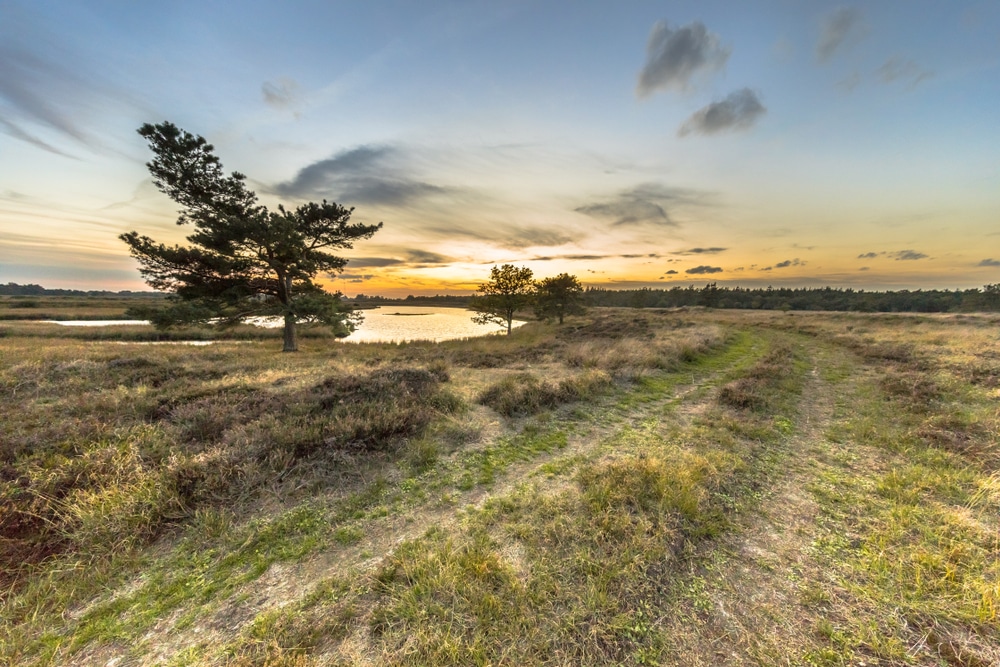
<point>393,324</point>
<point>389,324</point>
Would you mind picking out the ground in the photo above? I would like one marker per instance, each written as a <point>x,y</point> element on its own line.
<point>636,487</point>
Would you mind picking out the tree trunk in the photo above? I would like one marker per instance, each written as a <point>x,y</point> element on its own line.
<point>291,343</point>
<point>508,325</point>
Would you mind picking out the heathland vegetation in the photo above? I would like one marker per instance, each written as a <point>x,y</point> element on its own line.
<point>674,487</point>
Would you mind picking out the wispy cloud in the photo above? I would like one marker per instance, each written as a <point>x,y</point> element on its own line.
<point>364,175</point>
<point>649,203</point>
<point>840,28</point>
<point>408,257</point>
<point>896,69</point>
<point>738,111</point>
<point>700,251</point>
<point>280,94</point>
<point>989,262</point>
<point>701,270</point>
<point>37,92</point>
<point>789,262</point>
<point>868,255</point>
<point>674,56</point>
<point>907,255</point>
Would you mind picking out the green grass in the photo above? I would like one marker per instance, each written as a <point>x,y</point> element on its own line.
<point>591,494</point>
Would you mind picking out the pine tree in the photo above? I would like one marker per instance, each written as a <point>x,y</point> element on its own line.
<point>244,260</point>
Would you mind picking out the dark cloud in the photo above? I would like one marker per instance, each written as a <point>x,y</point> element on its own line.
<point>363,175</point>
<point>700,270</point>
<point>843,26</point>
<point>355,277</point>
<point>368,262</point>
<point>426,257</point>
<point>865,268</point>
<point>676,55</point>
<point>989,262</point>
<point>896,69</point>
<point>279,94</point>
<point>739,111</point>
<point>644,204</point>
<point>907,255</point>
<point>701,251</point>
<point>789,262</point>
<point>671,272</point>
<point>868,255</point>
<point>410,257</point>
<point>549,258</point>
<point>628,210</point>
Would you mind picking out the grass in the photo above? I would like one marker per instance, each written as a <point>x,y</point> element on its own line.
<point>631,488</point>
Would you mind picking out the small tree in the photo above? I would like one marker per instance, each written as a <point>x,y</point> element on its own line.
<point>509,289</point>
<point>245,261</point>
<point>558,297</point>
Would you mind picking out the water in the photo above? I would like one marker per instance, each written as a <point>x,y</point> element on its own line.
<point>94,323</point>
<point>389,324</point>
<point>393,324</point>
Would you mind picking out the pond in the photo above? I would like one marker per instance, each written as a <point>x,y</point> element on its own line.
<point>393,324</point>
<point>389,324</point>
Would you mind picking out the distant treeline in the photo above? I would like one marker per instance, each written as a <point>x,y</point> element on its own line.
<point>711,295</point>
<point>769,298</point>
<point>824,298</point>
<point>13,289</point>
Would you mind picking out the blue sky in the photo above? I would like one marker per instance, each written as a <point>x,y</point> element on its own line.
<point>638,143</point>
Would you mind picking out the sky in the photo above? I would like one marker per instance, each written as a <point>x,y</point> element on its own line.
<point>632,144</point>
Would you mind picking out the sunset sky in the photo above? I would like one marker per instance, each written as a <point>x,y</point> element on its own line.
<point>789,142</point>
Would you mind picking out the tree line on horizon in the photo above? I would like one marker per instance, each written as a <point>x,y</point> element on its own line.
<point>842,299</point>
<point>711,295</point>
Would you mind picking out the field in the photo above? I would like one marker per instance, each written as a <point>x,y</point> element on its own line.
<point>636,487</point>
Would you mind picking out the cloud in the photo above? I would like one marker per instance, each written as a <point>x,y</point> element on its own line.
<point>843,26</point>
<point>363,175</point>
<point>852,81</point>
<point>675,56</point>
<point>739,111</point>
<point>701,270</point>
<point>865,268</point>
<point>355,277</point>
<point>868,255</point>
<point>644,204</point>
<point>39,93</point>
<point>701,251</point>
<point>590,258</point>
<point>279,94</point>
<point>896,69</point>
<point>369,262</point>
<point>671,272</point>
<point>426,257</point>
<point>989,262</point>
<point>18,132</point>
<point>907,255</point>
<point>789,262</point>
<point>410,257</point>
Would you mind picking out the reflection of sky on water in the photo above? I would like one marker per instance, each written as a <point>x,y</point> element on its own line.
<point>404,323</point>
<point>381,325</point>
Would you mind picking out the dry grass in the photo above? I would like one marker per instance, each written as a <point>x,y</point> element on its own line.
<point>354,504</point>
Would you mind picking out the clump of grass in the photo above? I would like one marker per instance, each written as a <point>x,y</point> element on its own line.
<point>757,386</point>
<point>525,394</point>
<point>919,389</point>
